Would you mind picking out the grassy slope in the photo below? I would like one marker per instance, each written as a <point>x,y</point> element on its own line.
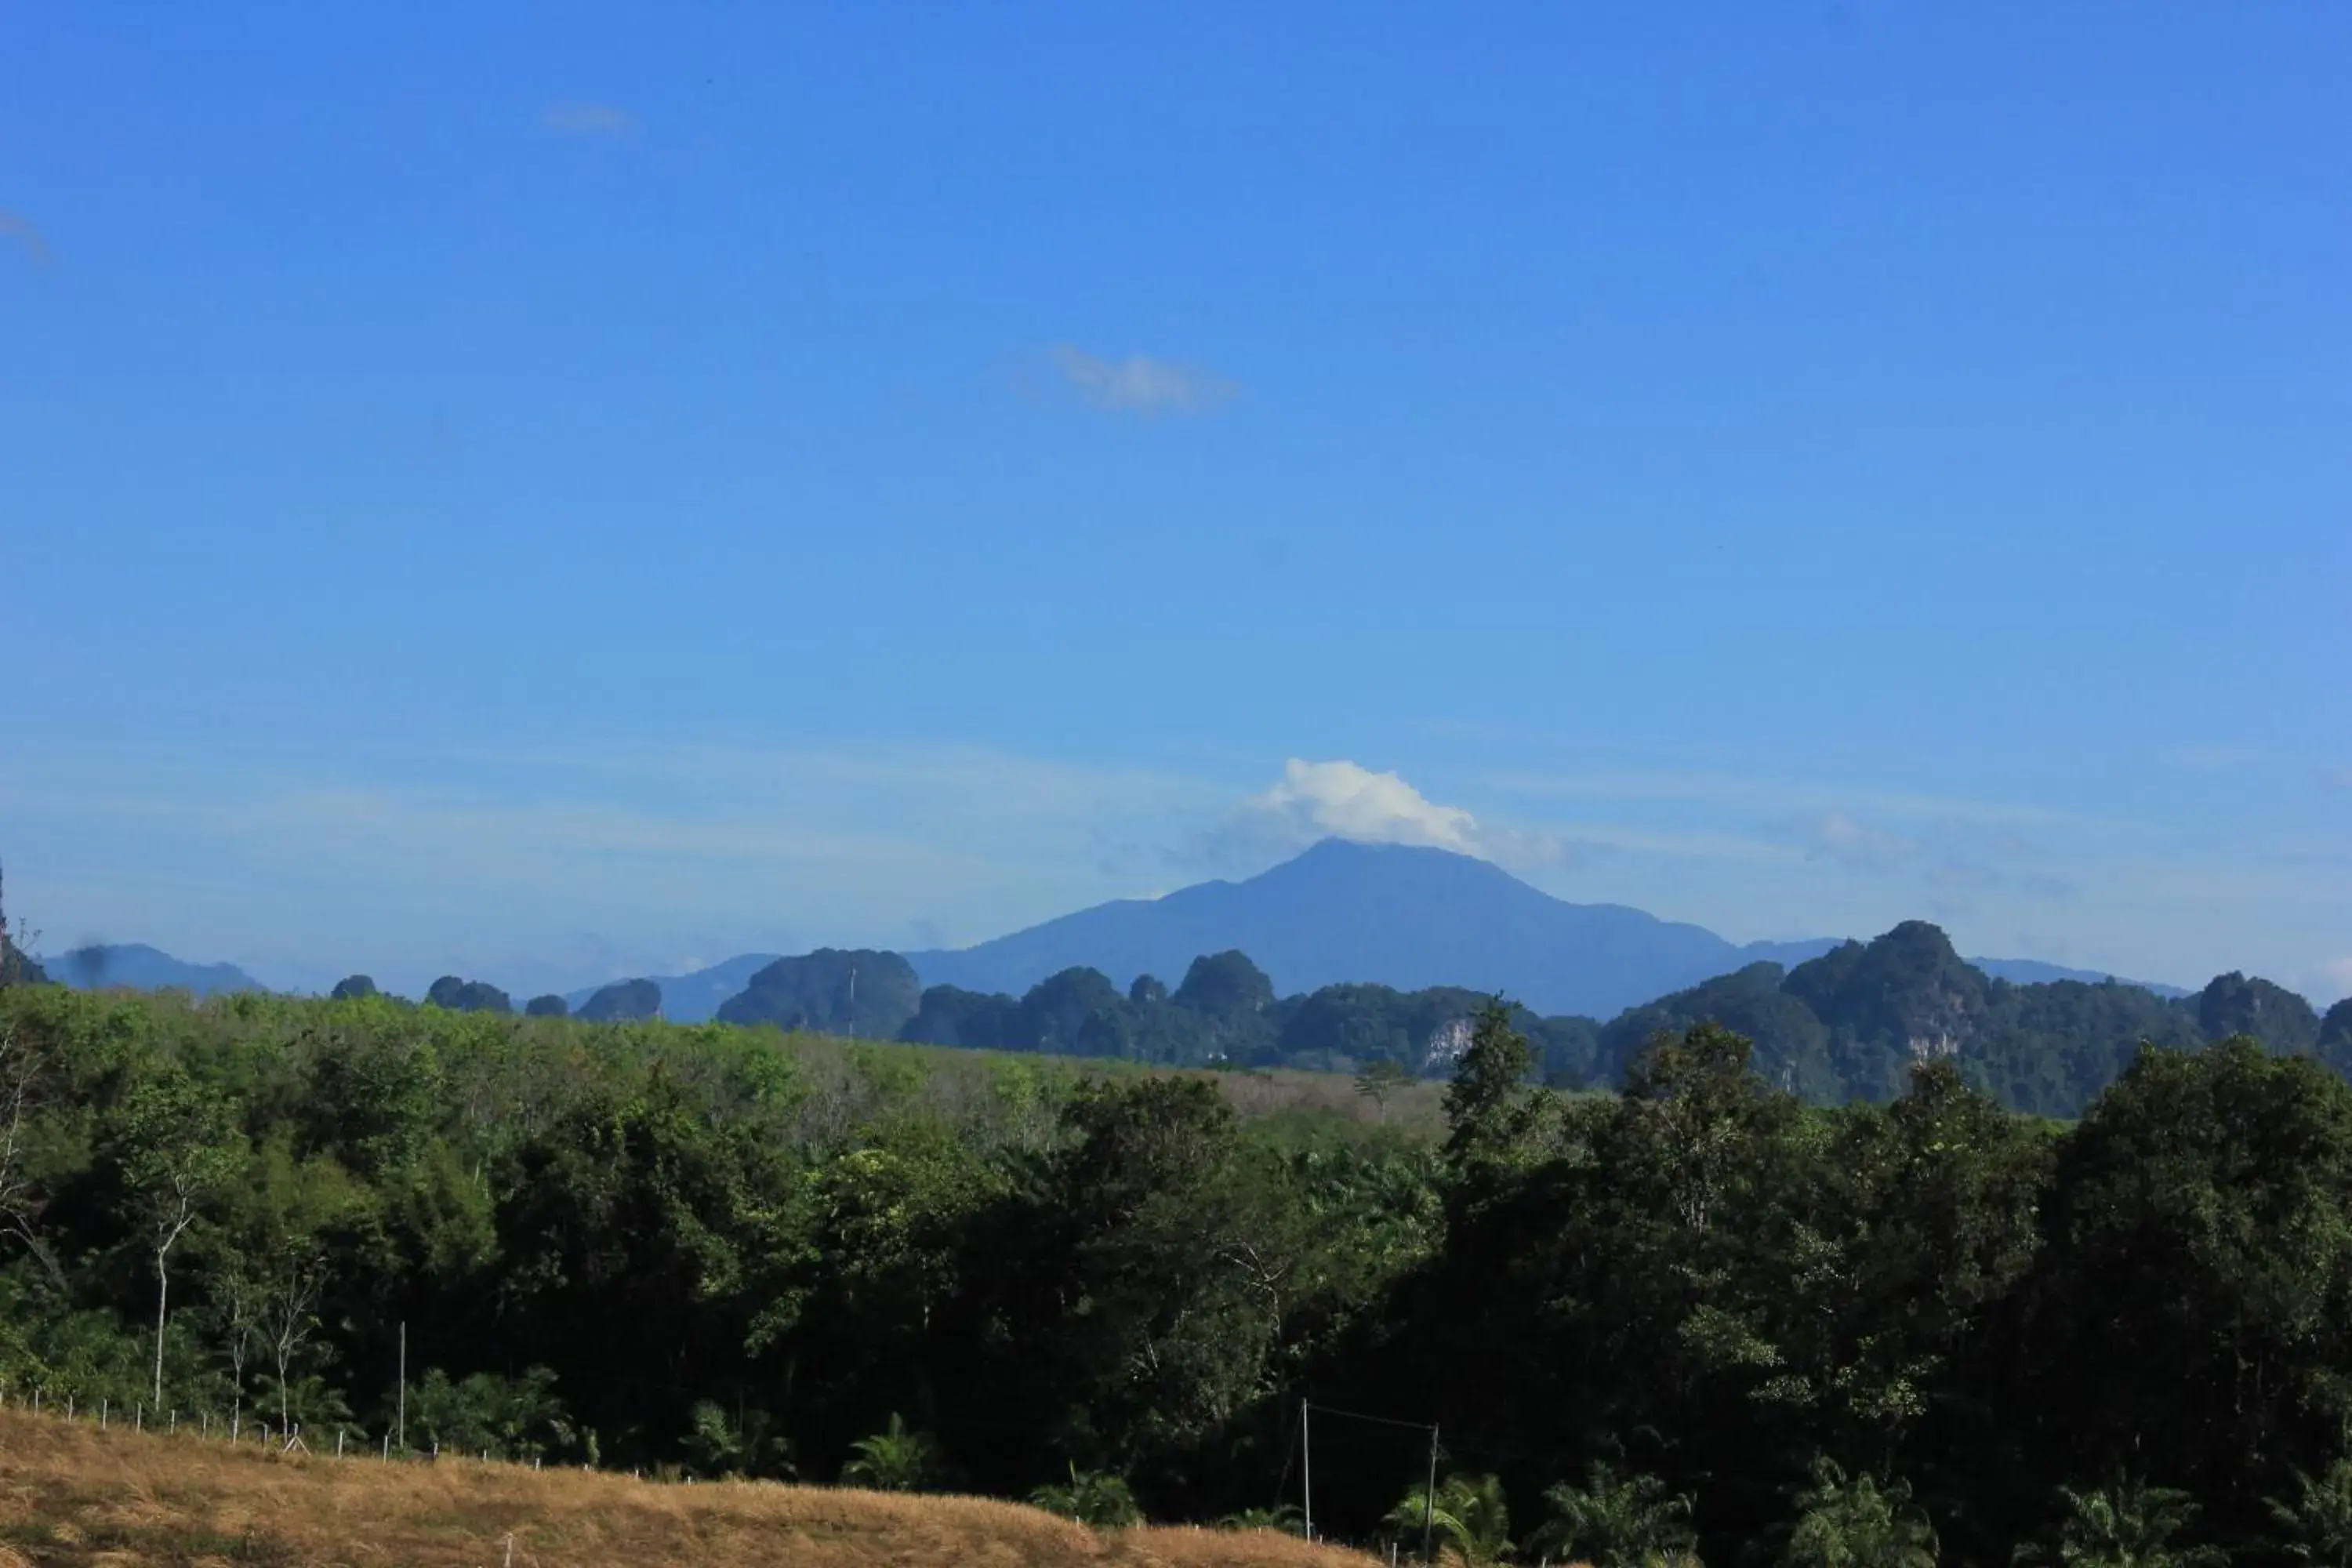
<point>1416,1110</point>
<point>72,1494</point>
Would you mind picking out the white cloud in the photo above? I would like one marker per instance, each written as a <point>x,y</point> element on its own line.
<point>1140,385</point>
<point>1834,836</point>
<point>1314,801</point>
<point>589,120</point>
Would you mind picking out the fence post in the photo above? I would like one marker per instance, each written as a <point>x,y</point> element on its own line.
<point>101,1414</point>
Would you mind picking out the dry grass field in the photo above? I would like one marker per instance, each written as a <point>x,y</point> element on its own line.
<point>72,1495</point>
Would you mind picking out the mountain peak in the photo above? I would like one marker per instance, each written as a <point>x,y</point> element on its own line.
<point>1342,911</point>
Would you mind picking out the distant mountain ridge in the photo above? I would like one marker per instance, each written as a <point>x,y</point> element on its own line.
<point>139,967</point>
<point>694,997</point>
<point>1399,916</point>
<point>1393,915</point>
<point>1853,1023</point>
<point>1407,918</point>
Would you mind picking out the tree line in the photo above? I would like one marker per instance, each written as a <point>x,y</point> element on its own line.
<point>1848,1025</point>
<point>1696,1317</point>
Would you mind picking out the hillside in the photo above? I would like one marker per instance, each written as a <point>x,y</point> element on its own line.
<point>136,966</point>
<point>1851,1024</point>
<point>72,1495</point>
<point>694,997</point>
<point>1383,914</point>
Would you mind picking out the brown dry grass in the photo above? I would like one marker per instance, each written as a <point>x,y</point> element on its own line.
<point>72,1495</point>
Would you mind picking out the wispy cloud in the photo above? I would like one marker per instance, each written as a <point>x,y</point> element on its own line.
<point>1139,384</point>
<point>14,226</point>
<point>2212,757</point>
<point>1949,856</point>
<point>1795,798</point>
<point>588,119</point>
<point>1835,836</point>
<point>1342,799</point>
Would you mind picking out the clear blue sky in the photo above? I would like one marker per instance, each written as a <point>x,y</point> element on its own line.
<point>552,493</point>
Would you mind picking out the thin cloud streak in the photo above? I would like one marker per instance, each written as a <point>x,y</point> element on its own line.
<point>588,119</point>
<point>1140,385</point>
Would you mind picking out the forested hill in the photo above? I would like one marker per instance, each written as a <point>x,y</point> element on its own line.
<point>1852,1024</point>
<point>135,967</point>
<point>1847,1026</point>
<point>1662,1326</point>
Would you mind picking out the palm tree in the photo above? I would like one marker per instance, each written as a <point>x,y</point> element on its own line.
<point>1471,1519</point>
<point>2131,1525</point>
<point>1284,1517</point>
<point>2319,1524</point>
<point>1856,1523</point>
<point>1612,1522</point>
<point>893,1460</point>
<point>1094,1498</point>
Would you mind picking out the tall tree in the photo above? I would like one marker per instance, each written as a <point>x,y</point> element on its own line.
<point>176,1151</point>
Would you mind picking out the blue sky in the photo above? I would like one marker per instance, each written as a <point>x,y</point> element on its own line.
<point>552,493</point>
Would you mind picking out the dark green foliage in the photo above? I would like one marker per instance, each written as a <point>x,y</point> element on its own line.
<point>1093,1498</point>
<point>1488,1106</point>
<point>1851,1024</point>
<point>452,994</point>
<point>2334,1045</point>
<point>1225,987</point>
<point>1748,1328</point>
<point>1226,1014</point>
<point>949,1016</point>
<point>351,987</point>
<point>1075,1012</point>
<point>548,1006</point>
<point>2233,1004</point>
<point>625,1001</point>
<point>862,993</point>
<point>17,968</point>
<point>2200,1221</point>
<point>1616,1521</point>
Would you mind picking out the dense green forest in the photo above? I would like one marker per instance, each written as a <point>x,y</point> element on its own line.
<point>1697,1314</point>
<point>1849,1025</point>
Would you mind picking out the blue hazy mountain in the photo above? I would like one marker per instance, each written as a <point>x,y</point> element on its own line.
<point>136,966</point>
<point>693,998</point>
<point>1388,914</point>
<point>2033,972</point>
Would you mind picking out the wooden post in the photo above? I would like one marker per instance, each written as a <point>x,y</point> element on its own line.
<point>1305,1470</point>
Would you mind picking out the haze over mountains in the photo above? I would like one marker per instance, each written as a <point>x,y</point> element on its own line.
<point>139,967</point>
<point>1342,912</point>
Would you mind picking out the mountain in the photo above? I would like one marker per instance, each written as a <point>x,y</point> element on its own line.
<point>693,998</point>
<point>622,1002</point>
<point>2033,972</point>
<point>135,967</point>
<point>1386,914</point>
<point>864,992</point>
<point>1851,1024</point>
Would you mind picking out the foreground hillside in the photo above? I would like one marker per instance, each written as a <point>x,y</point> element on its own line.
<point>70,1494</point>
<point>737,1256</point>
